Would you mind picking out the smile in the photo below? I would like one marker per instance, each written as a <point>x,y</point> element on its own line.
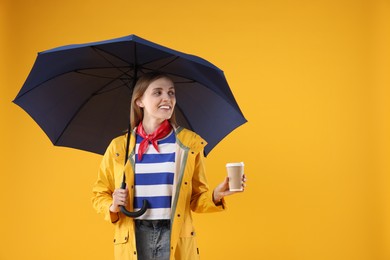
<point>165,107</point>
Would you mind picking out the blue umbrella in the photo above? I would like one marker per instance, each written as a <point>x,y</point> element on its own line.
<point>80,94</point>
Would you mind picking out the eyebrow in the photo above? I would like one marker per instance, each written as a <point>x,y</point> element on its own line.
<point>158,88</point>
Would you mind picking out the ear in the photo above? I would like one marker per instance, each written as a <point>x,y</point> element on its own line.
<point>139,103</point>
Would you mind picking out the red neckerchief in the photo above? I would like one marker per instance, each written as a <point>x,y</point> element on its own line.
<point>163,130</point>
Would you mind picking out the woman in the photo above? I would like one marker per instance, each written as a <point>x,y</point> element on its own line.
<point>165,167</point>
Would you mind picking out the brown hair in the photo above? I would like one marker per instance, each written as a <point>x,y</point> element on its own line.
<point>136,113</point>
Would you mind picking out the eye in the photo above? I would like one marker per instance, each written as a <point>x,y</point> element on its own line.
<point>171,93</point>
<point>157,93</point>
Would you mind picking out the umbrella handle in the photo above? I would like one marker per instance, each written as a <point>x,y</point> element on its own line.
<point>134,214</point>
<point>140,212</point>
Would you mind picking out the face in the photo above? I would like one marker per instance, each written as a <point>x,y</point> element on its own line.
<point>158,101</point>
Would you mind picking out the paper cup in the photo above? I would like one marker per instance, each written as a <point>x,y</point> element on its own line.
<point>235,171</point>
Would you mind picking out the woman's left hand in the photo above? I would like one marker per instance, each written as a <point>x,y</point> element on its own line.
<point>222,189</point>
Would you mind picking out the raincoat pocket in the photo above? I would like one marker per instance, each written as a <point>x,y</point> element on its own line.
<point>121,238</point>
<point>187,249</point>
<point>122,247</point>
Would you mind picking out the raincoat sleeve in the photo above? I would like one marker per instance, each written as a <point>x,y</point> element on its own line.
<point>202,196</point>
<point>105,186</point>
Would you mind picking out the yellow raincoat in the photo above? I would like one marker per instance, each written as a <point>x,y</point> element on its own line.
<point>190,192</point>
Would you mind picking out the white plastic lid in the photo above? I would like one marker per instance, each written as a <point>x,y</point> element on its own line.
<point>235,164</point>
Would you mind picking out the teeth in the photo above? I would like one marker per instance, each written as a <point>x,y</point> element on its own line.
<point>165,107</point>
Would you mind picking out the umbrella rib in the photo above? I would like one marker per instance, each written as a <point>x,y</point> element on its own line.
<point>83,104</point>
<point>67,72</point>
<point>173,74</point>
<point>164,65</point>
<point>136,65</point>
<point>99,52</point>
<point>109,90</point>
<point>99,76</point>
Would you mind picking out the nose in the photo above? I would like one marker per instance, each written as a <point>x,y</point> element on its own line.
<point>166,96</point>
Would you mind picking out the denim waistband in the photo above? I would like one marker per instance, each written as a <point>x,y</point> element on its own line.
<point>154,223</point>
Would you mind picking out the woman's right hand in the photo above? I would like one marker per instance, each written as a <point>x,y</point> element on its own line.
<point>119,198</point>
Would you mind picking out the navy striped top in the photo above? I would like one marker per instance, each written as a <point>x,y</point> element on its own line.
<point>154,176</point>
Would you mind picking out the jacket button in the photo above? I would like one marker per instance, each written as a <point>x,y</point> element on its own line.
<point>125,238</point>
<point>192,233</point>
<point>114,240</point>
<point>135,252</point>
<point>178,215</point>
<point>192,152</point>
<point>185,183</point>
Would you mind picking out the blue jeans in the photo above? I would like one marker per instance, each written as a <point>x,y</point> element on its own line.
<point>153,238</point>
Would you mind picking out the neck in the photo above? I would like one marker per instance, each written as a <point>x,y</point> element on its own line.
<point>151,125</point>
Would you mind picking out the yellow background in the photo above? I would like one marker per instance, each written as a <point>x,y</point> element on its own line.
<point>312,78</point>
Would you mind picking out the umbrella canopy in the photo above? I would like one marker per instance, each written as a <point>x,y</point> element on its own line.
<point>80,94</point>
